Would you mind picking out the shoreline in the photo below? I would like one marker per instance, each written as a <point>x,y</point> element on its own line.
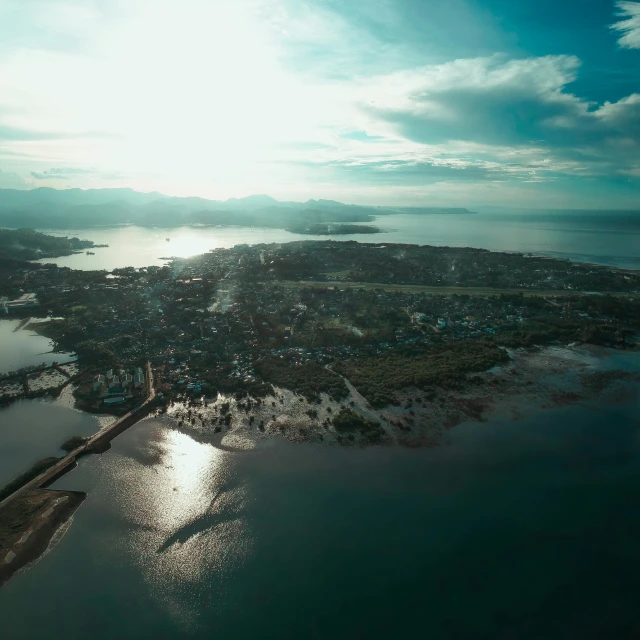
<point>588,261</point>
<point>533,379</point>
<point>30,523</point>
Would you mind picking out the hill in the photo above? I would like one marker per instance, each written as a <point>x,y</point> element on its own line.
<point>47,208</point>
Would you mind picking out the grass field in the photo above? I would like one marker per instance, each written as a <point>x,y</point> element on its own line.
<point>416,288</point>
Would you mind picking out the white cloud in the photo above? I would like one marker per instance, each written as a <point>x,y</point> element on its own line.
<point>217,98</point>
<point>629,25</point>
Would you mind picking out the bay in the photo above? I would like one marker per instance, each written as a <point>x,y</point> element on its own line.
<point>514,529</point>
<point>601,237</point>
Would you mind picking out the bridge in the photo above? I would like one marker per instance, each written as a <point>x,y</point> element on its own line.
<point>93,444</point>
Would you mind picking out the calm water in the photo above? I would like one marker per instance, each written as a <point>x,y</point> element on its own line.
<point>523,530</point>
<point>608,238</point>
<point>23,348</point>
<point>35,429</point>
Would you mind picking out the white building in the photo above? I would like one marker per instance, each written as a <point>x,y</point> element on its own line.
<point>138,380</point>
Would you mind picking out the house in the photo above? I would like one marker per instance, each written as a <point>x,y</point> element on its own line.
<point>442,324</point>
<point>114,382</point>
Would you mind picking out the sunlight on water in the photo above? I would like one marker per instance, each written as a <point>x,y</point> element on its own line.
<point>186,516</point>
<point>185,244</point>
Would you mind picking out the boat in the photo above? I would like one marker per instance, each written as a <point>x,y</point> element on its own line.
<point>90,253</point>
<point>168,239</point>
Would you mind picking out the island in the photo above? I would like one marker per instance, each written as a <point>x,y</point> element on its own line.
<point>333,229</point>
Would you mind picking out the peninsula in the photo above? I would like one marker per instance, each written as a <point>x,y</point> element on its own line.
<point>325,341</point>
<point>27,244</point>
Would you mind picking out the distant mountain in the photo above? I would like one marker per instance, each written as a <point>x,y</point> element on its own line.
<point>47,208</point>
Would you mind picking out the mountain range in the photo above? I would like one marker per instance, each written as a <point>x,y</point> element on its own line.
<point>46,208</point>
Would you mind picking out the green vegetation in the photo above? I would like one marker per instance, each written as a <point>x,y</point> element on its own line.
<point>38,468</point>
<point>347,421</point>
<point>376,378</point>
<point>92,352</point>
<point>27,244</point>
<point>73,443</point>
<point>309,379</point>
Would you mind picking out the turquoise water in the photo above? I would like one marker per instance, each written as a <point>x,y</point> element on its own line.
<point>521,530</point>
<point>609,238</point>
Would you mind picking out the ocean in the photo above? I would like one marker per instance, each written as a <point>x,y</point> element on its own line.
<point>608,238</point>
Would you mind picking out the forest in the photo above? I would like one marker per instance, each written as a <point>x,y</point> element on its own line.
<point>377,378</point>
<point>27,244</point>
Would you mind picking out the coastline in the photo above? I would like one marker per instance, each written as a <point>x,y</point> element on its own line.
<point>533,380</point>
<point>29,523</point>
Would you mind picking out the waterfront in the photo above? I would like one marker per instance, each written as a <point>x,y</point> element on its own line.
<point>607,238</point>
<point>34,429</point>
<point>513,529</point>
<point>23,348</point>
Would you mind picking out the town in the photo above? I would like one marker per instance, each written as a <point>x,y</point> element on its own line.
<point>243,320</point>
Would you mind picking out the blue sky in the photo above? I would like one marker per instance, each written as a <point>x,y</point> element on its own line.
<point>458,102</point>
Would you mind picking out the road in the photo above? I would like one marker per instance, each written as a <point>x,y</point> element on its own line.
<point>103,436</point>
<point>418,288</point>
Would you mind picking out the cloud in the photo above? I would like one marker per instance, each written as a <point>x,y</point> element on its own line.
<point>511,103</point>
<point>72,174</point>
<point>629,26</point>
<point>20,134</point>
<point>12,180</point>
<point>62,173</point>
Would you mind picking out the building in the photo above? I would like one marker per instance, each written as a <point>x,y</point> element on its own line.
<point>25,301</point>
<point>114,382</point>
<point>442,324</point>
<point>138,380</point>
<point>115,400</point>
<point>98,381</point>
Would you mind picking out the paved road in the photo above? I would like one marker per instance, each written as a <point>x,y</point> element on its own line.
<point>104,435</point>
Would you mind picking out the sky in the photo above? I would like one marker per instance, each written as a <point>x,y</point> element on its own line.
<point>407,102</point>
